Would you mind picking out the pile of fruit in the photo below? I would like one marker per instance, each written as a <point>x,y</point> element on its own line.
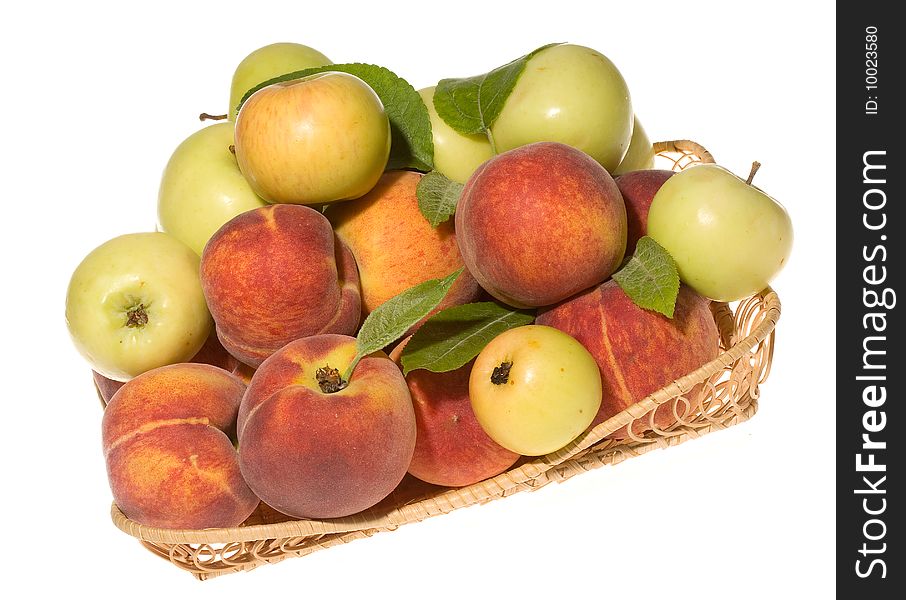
<point>354,280</point>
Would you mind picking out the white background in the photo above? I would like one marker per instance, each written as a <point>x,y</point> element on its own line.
<point>93,102</point>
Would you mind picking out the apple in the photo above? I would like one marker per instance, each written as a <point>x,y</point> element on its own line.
<point>314,140</point>
<point>729,239</point>
<point>455,155</point>
<point>641,152</point>
<point>573,95</point>
<point>269,62</point>
<point>135,303</point>
<point>534,389</point>
<point>202,187</point>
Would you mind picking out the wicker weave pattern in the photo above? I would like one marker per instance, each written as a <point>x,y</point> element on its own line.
<point>729,395</point>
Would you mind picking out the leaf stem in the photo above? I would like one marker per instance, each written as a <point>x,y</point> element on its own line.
<point>491,140</point>
<point>348,374</point>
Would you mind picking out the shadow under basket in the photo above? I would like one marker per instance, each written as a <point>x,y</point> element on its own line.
<point>728,395</point>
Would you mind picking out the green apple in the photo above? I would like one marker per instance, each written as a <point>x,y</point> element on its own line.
<point>573,95</point>
<point>202,187</point>
<point>640,155</point>
<point>455,155</point>
<point>315,140</point>
<point>728,238</point>
<point>269,62</point>
<point>135,303</point>
<point>534,389</point>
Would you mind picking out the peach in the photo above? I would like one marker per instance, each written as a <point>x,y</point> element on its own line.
<point>314,446</point>
<point>395,247</point>
<point>638,351</point>
<point>212,353</point>
<point>638,189</point>
<point>170,460</point>
<point>276,274</point>
<point>451,448</point>
<point>539,223</point>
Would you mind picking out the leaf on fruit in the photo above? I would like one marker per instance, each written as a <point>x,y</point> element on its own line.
<point>412,144</point>
<point>650,278</point>
<point>389,321</point>
<point>456,335</point>
<point>437,197</point>
<point>470,105</point>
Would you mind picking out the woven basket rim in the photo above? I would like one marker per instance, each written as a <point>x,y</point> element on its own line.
<point>373,520</point>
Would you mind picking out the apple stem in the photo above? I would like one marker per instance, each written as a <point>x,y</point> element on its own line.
<point>207,117</point>
<point>755,166</point>
<point>232,149</point>
<point>491,140</point>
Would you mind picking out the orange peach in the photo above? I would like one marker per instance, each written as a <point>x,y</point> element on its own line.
<point>540,223</point>
<point>638,189</point>
<point>638,351</point>
<point>170,460</point>
<point>313,446</point>
<point>276,274</point>
<point>394,245</point>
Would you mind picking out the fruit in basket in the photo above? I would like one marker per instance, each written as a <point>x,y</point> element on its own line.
<point>573,95</point>
<point>135,303</point>
<point>534,389</point>
<point>394,246</point>
<point>212,353</point>
<point>537,224</point>
<point>202,188</point>
<point>276,274</point>
<point>638,189</point>
<point>729,239</point>
<point>170,459</point>
<point>638,351</point>
<point>268,62</point>
<point>314,140</point>
<point>455,155</point>
<point>312,451</point>
<point>451,448</point>
<point>640,154</point>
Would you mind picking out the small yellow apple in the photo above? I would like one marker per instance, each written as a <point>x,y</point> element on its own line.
<point>534,389</point>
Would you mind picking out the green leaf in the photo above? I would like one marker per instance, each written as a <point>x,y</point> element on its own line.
<point>437,197</point>
<point>456,335</point>
<point>470,105</point>
<point>389,321</point>
<point>650,278</point>
<point>411,145</point>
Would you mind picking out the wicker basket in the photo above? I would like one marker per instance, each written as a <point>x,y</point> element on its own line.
<point>729,396</point>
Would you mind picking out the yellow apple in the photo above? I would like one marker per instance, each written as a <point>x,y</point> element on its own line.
<point>728,238</point>
<point>534,389</point>
<point>315,140</point>
<point>269,62</point>
<point>135,303</point>
<point>202,187</point>
<point>573,95</point>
